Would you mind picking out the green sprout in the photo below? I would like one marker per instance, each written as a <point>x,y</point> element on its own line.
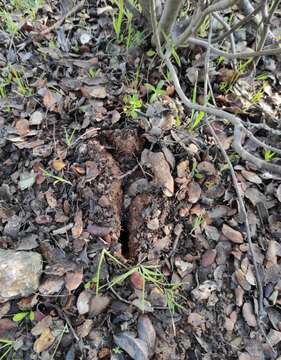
<point>68,139</point>
<point>5,347</point>
<point>268,155</point>
<point>57,179</point>
<point>156,91</point>
<point>132,104</point>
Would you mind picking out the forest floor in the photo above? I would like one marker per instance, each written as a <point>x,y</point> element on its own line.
<point>126,196</point>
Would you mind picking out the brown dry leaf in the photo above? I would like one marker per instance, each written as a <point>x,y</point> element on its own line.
<point>77,229</point>
<point>43,343</point>
<point>49,100</point>
<point>51,200</point>
<point>96,91</point>
<point>84,329</point>
<point>249,315</point>
<point>7,328</point>
<point>208,257</point>
<point>42,325</point>
<point>196,320</point>
<point>274,337</point>
<point>73,279</point>
<point>98,304</point>
<point>194,192</point>
<point>203,291</point>
<point>251,176</point>
<point>147,332</point>
<point>240,277</point>
<point>22,127</point>
<point>161,170</point>
<point>232,235</point>
<point>206,168</point>
<point>239,295</point>
<point>58,165</point>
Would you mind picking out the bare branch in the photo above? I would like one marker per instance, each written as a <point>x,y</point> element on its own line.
<point>169,17</point>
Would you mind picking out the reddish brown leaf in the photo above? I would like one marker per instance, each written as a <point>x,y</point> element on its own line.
<point>45,340</point>
<point>232,235</point>
<point>58,165</point>
<point>73,280</point>
<point>137,280</point>
<point>22,127</point>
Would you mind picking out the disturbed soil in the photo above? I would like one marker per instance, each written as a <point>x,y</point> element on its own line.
<point>98,192</point>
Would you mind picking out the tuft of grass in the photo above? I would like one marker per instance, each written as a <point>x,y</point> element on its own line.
<point>150,274</point>
<point>268,155</point>
<point>28,7</point>
<point>5,347</point>
<point>9,25</point>
<point>68,138</point>
<point>57,179</point>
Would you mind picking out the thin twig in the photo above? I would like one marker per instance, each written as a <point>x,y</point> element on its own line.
<point>58,23</point>
<point>241,203</point>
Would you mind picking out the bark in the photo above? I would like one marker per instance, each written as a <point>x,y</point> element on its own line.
<point>169,17</point>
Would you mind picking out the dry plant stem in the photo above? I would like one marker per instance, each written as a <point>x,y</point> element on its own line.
<point>244,55</point>
<point>266,24</point>
<point>169,17</point>
<point>241,203</point>
<point>240,23</point>
<point>231,36</point>
<point>199,17</point>
<point>264,127</point>
<point>58,23</point>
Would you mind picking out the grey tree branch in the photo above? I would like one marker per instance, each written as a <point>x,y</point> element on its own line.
<point>199,18</point>
<point>169,17</point>
<point>235,121</point>
<point>242,208</point>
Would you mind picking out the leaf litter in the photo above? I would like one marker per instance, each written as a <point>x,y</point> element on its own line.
<point>79,176</point>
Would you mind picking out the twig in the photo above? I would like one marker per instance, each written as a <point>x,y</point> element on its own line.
<point>242,207</point>
<point>168,18</point>
<point>58,23</point>
<point>242,55</point>
<point>240,23</point>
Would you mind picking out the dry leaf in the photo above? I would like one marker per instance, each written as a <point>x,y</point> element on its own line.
<point>22,127</point>
<point>78,225</point>
<point>73,280</point>
<point>49,100</point>
<point>249,315</point>
<point>232,235</point>
<point>137,280</point>
<point>45,340</point>
<point>42,325</point>
<point>58,165</point>
<point>51,200</point>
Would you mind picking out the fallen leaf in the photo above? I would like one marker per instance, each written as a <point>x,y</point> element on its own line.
<point>137,280</point>
<point>51,200</point>
<point>251,176</point>
<point>51,285</point>
<point>203,291</point>
<point>147,333</point>
<point>208,257</point>
<point>136,348</point>
<point>232,235</point>
<point>58,165</point>
<point>43,343</point>
<point>77,228</point>
<point>22,127</point>
<point>50,100</point>
<point>73,280</point>
<point>194,192</point>
<point>98,304</point>
<point>206,168</point>
<point>274,337</point>
<point>84,329</point>
<point>27,180</point>
<point>36,118</point>
<point>249,315</point>
<point>42,325</point>
<point>83,302</point>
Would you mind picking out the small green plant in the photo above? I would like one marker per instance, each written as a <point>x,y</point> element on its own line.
<point>199,220</point>
<point>28,7</point>
<point>117,350</point>
<point>57,179</point>
<point>9,25</point>
<point>194,172</point>
<point>23,314</point>
<point>132,103</point>
<point>268,155</point>
<point>262,77</point>
<point>5,347</point>
<point>92,72</point>
<point>68,139</point>
<point>22,86</point>
<point>156,91</point>
<point>220,60</point>
<point>58,340</point>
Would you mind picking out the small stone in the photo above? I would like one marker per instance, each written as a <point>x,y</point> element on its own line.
<point>19,273</point>
<point>36,118</point>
